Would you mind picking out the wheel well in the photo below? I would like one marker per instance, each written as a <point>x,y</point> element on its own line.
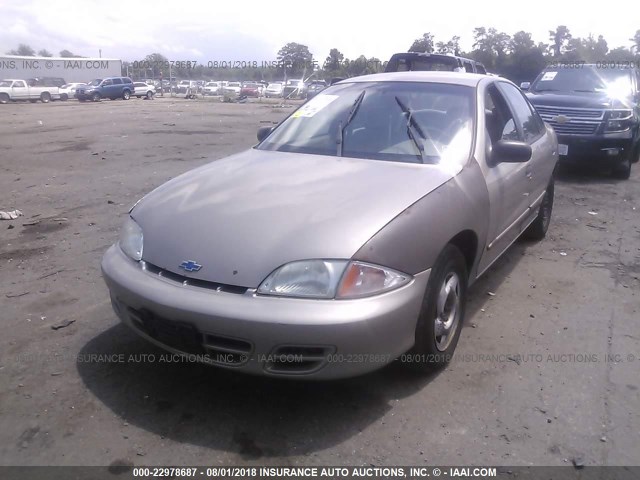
<point>467,243</point>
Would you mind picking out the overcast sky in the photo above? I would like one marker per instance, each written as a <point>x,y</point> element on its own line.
<point>255,30</point>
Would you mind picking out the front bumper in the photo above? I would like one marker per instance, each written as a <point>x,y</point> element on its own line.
<point>611,148</point>
<point>301,338</point>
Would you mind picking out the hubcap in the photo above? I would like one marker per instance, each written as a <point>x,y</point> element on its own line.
<point>447,311</point>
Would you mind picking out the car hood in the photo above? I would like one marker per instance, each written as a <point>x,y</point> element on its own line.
<point>575,100</point>
<point>243,216</point>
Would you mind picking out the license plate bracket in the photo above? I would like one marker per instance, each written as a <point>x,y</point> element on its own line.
<point>563,149</point>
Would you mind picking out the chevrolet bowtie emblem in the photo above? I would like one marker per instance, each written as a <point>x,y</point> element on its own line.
<point>561,119</point>
<point>190,266</point>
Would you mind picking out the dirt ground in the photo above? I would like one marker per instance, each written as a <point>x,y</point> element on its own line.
<point>548,366</point>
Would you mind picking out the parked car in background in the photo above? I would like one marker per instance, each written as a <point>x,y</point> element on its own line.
<point>233,88</point>
<point>414,61</point>
<point>69,90</point>
<point>274,89</point>
<point>294,88</point>
<point>315,87</point>
<point>212,88</point>
<point>398,196</point>
<point>250,89</point>
<point>46,82</point>
<point>595,112</point>
<point>111,87</point>
<point>182,86</point>
<point>16,89</point>
<point>142,89</point>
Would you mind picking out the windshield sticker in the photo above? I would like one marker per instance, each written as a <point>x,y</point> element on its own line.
<point>314,105</point>
<point>548,76</point>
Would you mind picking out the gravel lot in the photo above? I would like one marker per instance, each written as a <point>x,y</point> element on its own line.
<point>568,306</point>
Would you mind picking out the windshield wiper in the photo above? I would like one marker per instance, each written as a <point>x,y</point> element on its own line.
<point>585,90</point>
<point>412,124</point>
<point>546,90</point>
<point>343,127</point>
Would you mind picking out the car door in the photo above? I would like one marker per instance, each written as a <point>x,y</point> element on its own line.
<point>543,151</point>
<point>106,88</point>
<point>19,90</point>
<point>507,183</point>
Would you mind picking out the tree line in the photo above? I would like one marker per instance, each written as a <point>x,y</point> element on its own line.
<point>517,57</point>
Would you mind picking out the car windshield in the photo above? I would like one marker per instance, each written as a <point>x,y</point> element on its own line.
<point>394,121</point>
<point>95,83</point>
<point>614,81</point>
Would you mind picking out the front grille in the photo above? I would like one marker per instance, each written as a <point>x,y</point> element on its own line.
<point>546,112</point>
<point>291,359</point>
<point>184,337</point>
<point>181,279</point>
<point>181,336</point>
<point>575,128</point>
<point>227,351</point>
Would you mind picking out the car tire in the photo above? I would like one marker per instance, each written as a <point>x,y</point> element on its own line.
<point>45,97</point>
<point>4,98</point>
<point>636,156</point>
<point>64,97</point>
<point>538,229</point>
<point>622,170</point>
<point>442,313</point>
<point>95,97</point>
<point>149,95</point>
<point>126,95</point>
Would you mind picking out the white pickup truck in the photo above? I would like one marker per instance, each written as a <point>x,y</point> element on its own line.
<point>12,90</point>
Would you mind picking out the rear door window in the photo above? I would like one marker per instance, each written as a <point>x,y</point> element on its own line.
<point>117,81</point>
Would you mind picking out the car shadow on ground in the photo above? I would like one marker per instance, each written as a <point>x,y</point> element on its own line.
<point>255,417</point>
<point>224,410</point>
<point>588,174</point>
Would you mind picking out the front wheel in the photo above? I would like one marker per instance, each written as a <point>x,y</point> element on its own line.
<point>95,97</point>
<point>4,98</point>
<point>622,170</point>
<point>538,229</point>
<point>440,321</point>
<point>149,95</point>
<point>64,97</point>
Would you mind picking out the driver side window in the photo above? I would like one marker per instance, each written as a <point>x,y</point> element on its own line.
<point>498,118</point>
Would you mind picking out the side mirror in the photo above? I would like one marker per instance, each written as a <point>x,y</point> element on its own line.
<point>525,86</point>
<point>263,132</point>
<point>510,151</point>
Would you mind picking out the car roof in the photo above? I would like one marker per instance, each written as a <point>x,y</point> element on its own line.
<point>454,78</point>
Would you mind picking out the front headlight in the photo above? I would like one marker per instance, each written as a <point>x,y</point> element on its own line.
<point>131,239</point>
<point>306,278</point>
<point>619,120</point>
<point>331,279</point>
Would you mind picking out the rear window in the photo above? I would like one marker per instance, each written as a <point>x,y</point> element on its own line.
<point>117,81</point>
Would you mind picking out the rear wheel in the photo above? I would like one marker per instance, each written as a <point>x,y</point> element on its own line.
<point>538,229</point>
<point>126,95</point>
<point>45,97</point>
<point>440,321</point>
